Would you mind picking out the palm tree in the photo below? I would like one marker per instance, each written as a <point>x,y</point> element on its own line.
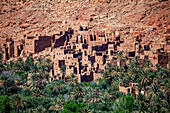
<point>58,104</point>
<point>19,64</point>
<point>35,82</point>
<point>63,69</point>
<point>124,104</point>
<point>77,93</point>
<point>148,66</point>
<point>48,63</point>
<point>120,57</point>
<point>96,97</point>
<point>18,102</point>
<point>29,62</point>
<point>57,86</point>
<point>35,68</point>
<point>109,66</point>
<point>112,74</point>
<point>23,75</point>
<point>165,73</point>
<point>40,61</point>
<point>106,97</point>
<point>11,65</point>
<point>8,80</point>
<point>133,70</point>
<point>89,95</point>
<point>157,99</point>
<point>44,71</point>
<point>141,103</point>
<point>166,88</point>
<point>116,71</point>
<point>39,109</point>
<point>144,80</point>
<point>72,79</point>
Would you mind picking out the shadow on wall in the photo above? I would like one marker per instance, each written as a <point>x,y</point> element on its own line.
<point>87,78</point>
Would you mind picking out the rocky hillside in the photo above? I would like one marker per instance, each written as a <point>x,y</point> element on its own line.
<point>47,16</point>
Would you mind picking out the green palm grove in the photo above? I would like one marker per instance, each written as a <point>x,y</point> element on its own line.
<point>39,95</point>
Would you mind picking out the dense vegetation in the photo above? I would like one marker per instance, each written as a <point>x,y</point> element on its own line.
<point>39,95</point>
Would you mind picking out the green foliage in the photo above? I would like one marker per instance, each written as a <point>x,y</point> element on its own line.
<point>38,94</point>
<point>26,92</point>
<point>63,68</point>
<point>72,107</point>
<point>8,80</point>
<point>85,84</point>
<point>124,104</point>
<point>103,85</point>
<point>23,75</point>
<point>6,104</point>
<point>34,102</point>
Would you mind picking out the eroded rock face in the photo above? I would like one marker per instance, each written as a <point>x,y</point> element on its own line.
<point>86,31</point>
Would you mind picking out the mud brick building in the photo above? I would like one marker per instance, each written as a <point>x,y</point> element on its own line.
<point>86,52</point>
<point>132,88</point>
<point>84,35</point>
<point>35,44</point>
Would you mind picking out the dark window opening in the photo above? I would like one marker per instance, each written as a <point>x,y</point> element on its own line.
<point>84,41</point>
<point>111,52</point>
<point>91,38</point>
<point>91,19</point>
<point>128,90</point>
<point>146,47</point>
<point>81,39</point>
<point>85,53</point>
<point>118,38</point>
<point>81,28</point>
<point>75,70</point>
<point>94,37</point>
<point>77,40</point>
<point>132,54</point>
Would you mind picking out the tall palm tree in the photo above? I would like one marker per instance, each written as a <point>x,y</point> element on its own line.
<point>44,71</point>
<point>144,79</point>
<point>120,57</point>
<point>133,70</point>
<point>63,69</point>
